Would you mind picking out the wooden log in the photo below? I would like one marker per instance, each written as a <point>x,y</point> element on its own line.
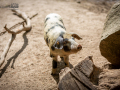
<point>64,72</point>
<point>86,66</point>
<point>78,77</point>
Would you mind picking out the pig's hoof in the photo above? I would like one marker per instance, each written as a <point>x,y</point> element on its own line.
<point>53,74</point>
<point>53,71</point>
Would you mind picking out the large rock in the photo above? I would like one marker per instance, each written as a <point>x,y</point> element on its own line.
<point>110,40</point>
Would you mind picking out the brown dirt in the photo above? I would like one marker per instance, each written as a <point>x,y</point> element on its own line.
<point>28,65</point>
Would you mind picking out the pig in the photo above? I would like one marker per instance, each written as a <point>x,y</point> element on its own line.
<point>60,42</point>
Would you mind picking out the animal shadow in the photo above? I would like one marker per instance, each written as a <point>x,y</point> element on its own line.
<point>60,65</point>
<point>111,66</point>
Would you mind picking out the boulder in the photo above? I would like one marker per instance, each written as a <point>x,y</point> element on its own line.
<point>110,40</point>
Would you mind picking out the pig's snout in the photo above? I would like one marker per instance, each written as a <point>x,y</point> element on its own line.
<point>79,47</point>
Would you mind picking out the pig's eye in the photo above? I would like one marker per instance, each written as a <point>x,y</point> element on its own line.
<point>57,44</point>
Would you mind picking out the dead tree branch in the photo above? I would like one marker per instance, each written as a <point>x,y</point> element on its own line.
<point>26,27</point>
<point>4,54</point>
<point>18,24</point>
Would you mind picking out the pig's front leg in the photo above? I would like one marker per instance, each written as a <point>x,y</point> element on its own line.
<point>66,61</point>
<point>54,65</point>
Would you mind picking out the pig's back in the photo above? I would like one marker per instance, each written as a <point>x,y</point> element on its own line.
<point>53,26</point>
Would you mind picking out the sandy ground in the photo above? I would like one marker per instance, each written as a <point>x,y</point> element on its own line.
<point>28,65</point>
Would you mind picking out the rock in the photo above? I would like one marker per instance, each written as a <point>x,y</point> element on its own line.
<point>78,1</point>
<point>110,40</point>
<point>109,80</point>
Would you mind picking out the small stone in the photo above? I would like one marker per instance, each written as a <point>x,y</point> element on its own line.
<point>78,1</point>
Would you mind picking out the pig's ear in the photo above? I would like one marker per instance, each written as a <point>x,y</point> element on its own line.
<point>75,36</point>
<point>59,43</point>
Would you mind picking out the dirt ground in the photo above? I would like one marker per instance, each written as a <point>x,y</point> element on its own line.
<point>28,65</point>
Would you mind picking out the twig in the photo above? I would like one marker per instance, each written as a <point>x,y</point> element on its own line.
<point>20,23</point>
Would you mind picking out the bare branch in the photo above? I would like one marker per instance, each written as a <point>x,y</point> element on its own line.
<point>26,27</point>
<point>3,32</point>
<point>4,54</point>
<point>8,30</point>
<point>14,26</point>
<point>22,22</point>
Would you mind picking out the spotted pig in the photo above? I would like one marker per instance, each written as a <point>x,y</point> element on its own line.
<point>59,41</point>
